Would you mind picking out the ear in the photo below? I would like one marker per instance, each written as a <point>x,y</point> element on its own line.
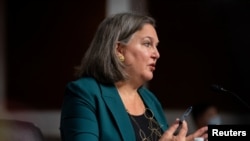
<point>120,48</point>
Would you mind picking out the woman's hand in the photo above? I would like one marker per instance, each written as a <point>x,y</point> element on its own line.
<point>182,135</point>
<point>169,134</point>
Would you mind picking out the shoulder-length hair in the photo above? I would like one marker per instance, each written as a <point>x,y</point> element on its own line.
<point>100,60</point>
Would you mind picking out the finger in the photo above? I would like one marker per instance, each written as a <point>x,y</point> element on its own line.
<point>201,131</point>
<point>172,128</point>
<point>184,129</point>
<point>205,136</point>
<point>198,133</point>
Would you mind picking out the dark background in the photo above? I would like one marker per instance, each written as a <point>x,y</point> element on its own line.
<point>45,41</point>
<point>201,43</point>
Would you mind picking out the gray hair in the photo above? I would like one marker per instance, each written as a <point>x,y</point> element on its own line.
<point>100,60</point>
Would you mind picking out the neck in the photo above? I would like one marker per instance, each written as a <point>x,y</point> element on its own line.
<point>130,97</point>
<point>127,88</point>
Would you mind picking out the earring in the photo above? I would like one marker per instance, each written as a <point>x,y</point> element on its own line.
<point>121,58</point>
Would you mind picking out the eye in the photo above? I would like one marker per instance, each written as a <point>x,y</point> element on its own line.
<point>147,44</point>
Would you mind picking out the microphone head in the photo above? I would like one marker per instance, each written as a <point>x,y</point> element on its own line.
<point>218,88</point>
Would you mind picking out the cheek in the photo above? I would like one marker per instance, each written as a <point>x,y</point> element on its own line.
<point>143,56</point>
<point>136,55</point>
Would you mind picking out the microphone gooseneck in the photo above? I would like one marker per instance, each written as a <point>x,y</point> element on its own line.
<point>220,89</point>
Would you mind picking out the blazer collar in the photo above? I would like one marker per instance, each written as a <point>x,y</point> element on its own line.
<point>150,103</point>
<point>116,107</point>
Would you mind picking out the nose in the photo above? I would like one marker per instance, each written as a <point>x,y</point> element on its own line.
<point>156,54</point>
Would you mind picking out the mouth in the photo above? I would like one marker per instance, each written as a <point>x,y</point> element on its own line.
<point>152,66</point>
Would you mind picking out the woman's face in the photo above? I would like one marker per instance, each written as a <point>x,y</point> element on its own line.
<point>141,54</point>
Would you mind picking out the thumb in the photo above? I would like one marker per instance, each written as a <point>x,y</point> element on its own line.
<point>172,128</point>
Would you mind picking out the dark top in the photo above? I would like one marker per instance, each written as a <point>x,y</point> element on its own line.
<point>145,126</point>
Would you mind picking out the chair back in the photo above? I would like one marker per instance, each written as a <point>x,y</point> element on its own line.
<point>16,130</point>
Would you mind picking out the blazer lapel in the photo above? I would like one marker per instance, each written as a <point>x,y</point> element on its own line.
<point>115,105</point>
<point>150,104</point>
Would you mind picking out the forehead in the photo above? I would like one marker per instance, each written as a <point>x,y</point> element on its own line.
<point>147,31</point>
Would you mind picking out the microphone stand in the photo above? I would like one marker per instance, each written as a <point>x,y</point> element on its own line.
<point>221,89</point>
<point>239,98</point>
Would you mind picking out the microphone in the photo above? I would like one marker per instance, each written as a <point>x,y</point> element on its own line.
<point>218,88</point>
<point>223,90</point>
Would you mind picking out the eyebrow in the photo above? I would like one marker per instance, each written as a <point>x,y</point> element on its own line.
<point>151,39</point>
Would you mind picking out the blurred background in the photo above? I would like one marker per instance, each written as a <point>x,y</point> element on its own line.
<point>201,43</point>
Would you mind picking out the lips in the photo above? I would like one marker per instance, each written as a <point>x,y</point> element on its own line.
<point>152,66</point>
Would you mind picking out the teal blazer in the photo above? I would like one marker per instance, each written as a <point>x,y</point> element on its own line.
<point>94,112</point>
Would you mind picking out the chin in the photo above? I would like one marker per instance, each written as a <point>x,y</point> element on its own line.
<point>149,77</point>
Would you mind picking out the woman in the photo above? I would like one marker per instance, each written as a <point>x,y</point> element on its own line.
<point>108,102</point>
